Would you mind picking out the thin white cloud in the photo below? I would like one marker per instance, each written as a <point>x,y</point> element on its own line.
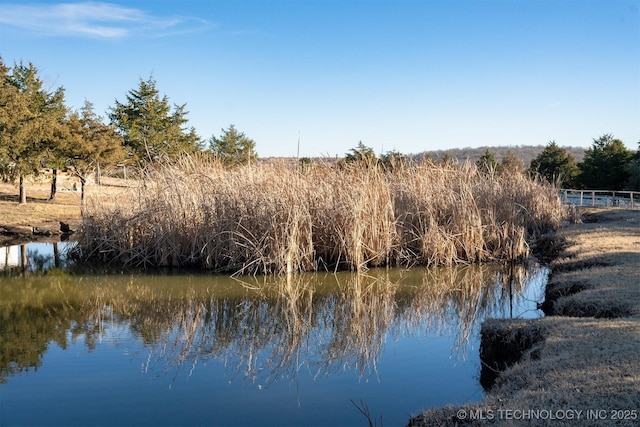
<point>93,19</point>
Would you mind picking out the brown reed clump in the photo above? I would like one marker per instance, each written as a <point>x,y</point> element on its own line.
<point>274,218</point>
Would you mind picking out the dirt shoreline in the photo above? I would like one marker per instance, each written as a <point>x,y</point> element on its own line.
<point>45,232</point>
<point>580,364</point>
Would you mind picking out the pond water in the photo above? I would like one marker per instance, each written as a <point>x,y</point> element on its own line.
<point>196,349</point>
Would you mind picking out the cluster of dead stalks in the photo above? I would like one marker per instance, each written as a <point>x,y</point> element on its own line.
<point>274,218</point>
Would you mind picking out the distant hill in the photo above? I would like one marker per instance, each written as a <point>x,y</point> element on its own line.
<point>525,153</point>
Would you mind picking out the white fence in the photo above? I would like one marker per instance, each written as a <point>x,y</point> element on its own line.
<point>623,199</point>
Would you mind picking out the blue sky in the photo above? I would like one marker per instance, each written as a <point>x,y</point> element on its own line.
<point>397,75</point>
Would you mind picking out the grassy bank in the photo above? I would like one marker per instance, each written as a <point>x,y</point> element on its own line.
<point>580,365</point>
<point>276,218</point>
<point>44,215</point>
<point>40,213</point>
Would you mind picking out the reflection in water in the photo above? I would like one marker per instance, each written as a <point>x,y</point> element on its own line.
<point>33,257</point>
<point>260,329</point>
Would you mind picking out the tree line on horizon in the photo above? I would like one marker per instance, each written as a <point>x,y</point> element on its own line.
<point>38,131</point>
<point>606,165</point>
<point>524,153</point>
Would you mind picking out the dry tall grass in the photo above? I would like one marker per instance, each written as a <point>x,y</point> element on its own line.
<point>280,219</point>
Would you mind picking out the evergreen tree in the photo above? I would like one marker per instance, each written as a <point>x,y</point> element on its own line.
<point>361,153</point>
<point>487,163</point>
<point>556,165</point>
<point>605,165</point>
<point>14,114</point>
<point>234,148</point>
<point>90,142</point>
<point>633,169</point>
<point>150,128</point>
<point>33,121</point>
<point>393,160</point>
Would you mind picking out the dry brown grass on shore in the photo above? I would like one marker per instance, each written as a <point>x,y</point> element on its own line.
<point>45,215</point>
<point>588,357</point>
<point>277,218</point>
<point>607,246</point>
<point>39,210</point>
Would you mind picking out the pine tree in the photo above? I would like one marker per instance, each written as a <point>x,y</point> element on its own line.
<point>487,163</point>
<point>33,122</point>
<point>361,153</point>
<point>393,160</point>
<point>14,114</point>
<point>633,169</point>
<point>604,165</point>
<point>556,165</point>
<point>90,143</point>
<point>233,148</point>
<point>151,129</point>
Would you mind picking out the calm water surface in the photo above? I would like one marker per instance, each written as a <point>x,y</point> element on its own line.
<point>154,350</point>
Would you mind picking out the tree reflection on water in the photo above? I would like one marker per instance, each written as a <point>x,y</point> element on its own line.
<point>261,329</point>
<point>32,257</point>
